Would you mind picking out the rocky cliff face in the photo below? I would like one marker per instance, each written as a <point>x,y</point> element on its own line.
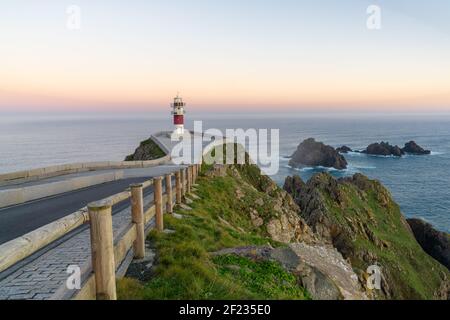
<point>318,266</point>
<point>311,153</point>
<point>434,242</point>
<point>358,217</point>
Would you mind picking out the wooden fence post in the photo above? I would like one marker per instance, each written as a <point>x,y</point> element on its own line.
<point>137,217</point>
<point>183,182</point>
<point>157,182</point>
<point>102,249</point>
<point>189,182</point>
<point>194,173</point>
<point>178,187</point>
<point>169,205</point>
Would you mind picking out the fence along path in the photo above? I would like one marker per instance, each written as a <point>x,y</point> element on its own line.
<point>112,241</point>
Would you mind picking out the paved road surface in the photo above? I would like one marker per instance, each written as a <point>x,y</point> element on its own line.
<point>21,219</point>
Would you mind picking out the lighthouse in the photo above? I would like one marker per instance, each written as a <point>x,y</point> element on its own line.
<point>178,114</point>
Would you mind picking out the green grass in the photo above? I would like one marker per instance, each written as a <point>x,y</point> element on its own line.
<point>266,279</point>
<point>185,268</point>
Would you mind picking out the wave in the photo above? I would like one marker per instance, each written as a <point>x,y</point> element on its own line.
<point>316,168</point>
<point>361,167</point>
<point>351,169</point>
<point>353,154</point>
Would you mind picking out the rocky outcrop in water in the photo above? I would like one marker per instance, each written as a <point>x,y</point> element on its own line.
<point>359,218</point>
<point>434,242</point>
<point>413,148</point>
<point>344,149</point>
<point>311,153</point>
<point>383,149</point>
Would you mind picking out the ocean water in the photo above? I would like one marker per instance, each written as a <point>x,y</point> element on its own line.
<point>420,184</point>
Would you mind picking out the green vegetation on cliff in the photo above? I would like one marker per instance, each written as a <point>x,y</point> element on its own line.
<point>185,267</point>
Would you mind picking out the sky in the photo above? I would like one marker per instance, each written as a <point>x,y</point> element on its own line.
<point>233,55</point>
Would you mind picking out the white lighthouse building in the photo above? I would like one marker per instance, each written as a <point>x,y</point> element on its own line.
<point>178,114</point>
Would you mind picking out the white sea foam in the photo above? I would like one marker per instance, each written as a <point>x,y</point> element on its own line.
<point>318,168</point>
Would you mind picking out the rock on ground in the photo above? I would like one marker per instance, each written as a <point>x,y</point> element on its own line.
<point>320,269</point>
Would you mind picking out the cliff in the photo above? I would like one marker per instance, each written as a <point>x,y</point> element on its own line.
<point>359,217</point>
<point>243,237</point>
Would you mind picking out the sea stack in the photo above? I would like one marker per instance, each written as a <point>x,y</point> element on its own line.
<point>413,148</point>
<point>311,153</point>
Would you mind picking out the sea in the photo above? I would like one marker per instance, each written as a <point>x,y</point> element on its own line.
<point>419,184</point>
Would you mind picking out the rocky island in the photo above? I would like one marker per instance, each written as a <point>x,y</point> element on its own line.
<point>383,149</point>
<point>311,153</point>
<point>413,148</point>
<point>386,149</point>
<point>344,149</point>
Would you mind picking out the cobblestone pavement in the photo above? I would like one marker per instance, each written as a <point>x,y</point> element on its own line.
<point>45,277</point>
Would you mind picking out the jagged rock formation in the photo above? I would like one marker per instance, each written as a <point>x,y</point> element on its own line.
<point>434,242</point>
<point>273,210</point>
<point>358,217</point>
<point>344,149</point>
<point>383,149</point>
<point>147,150</point>
<point>293,185</point>
<point>311,153</point>
<point>413,148</point>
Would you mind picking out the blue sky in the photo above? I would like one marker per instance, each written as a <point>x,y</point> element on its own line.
<point>294,54</point>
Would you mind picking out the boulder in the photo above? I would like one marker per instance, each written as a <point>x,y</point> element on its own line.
<point>311,153</point>
<point>320,269</point>
<point>413,148</point>
<point>344,149</point>
<point>383,149</point>
<point>433,242</point>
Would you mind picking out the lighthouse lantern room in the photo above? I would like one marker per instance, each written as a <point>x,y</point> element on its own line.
<point>178,114</point>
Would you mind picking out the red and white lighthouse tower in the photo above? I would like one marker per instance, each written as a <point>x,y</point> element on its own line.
<point>178,114</point>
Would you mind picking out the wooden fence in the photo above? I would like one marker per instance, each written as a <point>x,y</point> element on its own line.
<point>107,255</point>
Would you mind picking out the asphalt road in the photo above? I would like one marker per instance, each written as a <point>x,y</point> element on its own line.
<point>20,219</point>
